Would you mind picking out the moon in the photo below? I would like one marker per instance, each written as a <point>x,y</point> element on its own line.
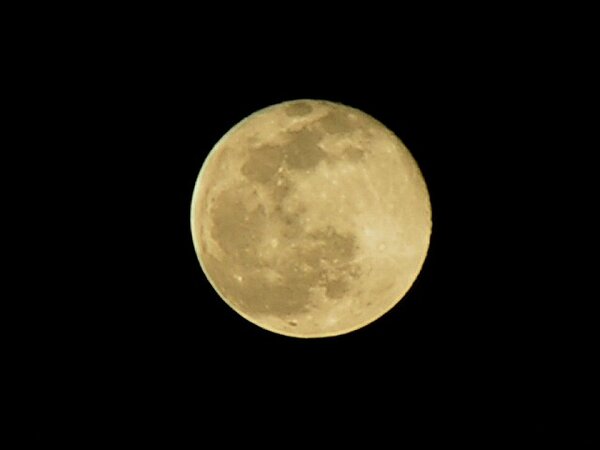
<point>310,218</point>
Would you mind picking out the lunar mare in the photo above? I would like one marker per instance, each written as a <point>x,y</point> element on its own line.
<point>310,218</point>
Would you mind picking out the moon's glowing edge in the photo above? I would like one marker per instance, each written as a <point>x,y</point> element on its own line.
<point>196,239</point>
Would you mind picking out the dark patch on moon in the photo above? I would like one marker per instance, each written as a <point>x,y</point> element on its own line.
<point>279,188</point>
<point>289,295</point>
<point>330,253</point>
<point>262,163</point>
<point>286,294</point>
<point>235,228</point>
<point>302,150</point>
<point>326,257</point>
<point>332,244</point>
<point>255,293</point>
<point>291,225</point>
<point>354,154</point>
<point>337,122</point>
<point>298,109</point>
<point>336,288</point>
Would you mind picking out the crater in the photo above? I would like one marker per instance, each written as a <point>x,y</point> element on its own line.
<point>298,109</point>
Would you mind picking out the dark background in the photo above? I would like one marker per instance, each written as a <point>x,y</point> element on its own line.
<point>468,350</point>
<point>464,334</point>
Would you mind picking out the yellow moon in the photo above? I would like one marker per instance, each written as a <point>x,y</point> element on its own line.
<point>310,218</point>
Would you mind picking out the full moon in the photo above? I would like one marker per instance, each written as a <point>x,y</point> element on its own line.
<point>310,218</point>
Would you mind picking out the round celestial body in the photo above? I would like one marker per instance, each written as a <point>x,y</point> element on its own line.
<point>310,218</point>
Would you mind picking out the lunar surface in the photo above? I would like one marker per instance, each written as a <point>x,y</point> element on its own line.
<point>310,218</point>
